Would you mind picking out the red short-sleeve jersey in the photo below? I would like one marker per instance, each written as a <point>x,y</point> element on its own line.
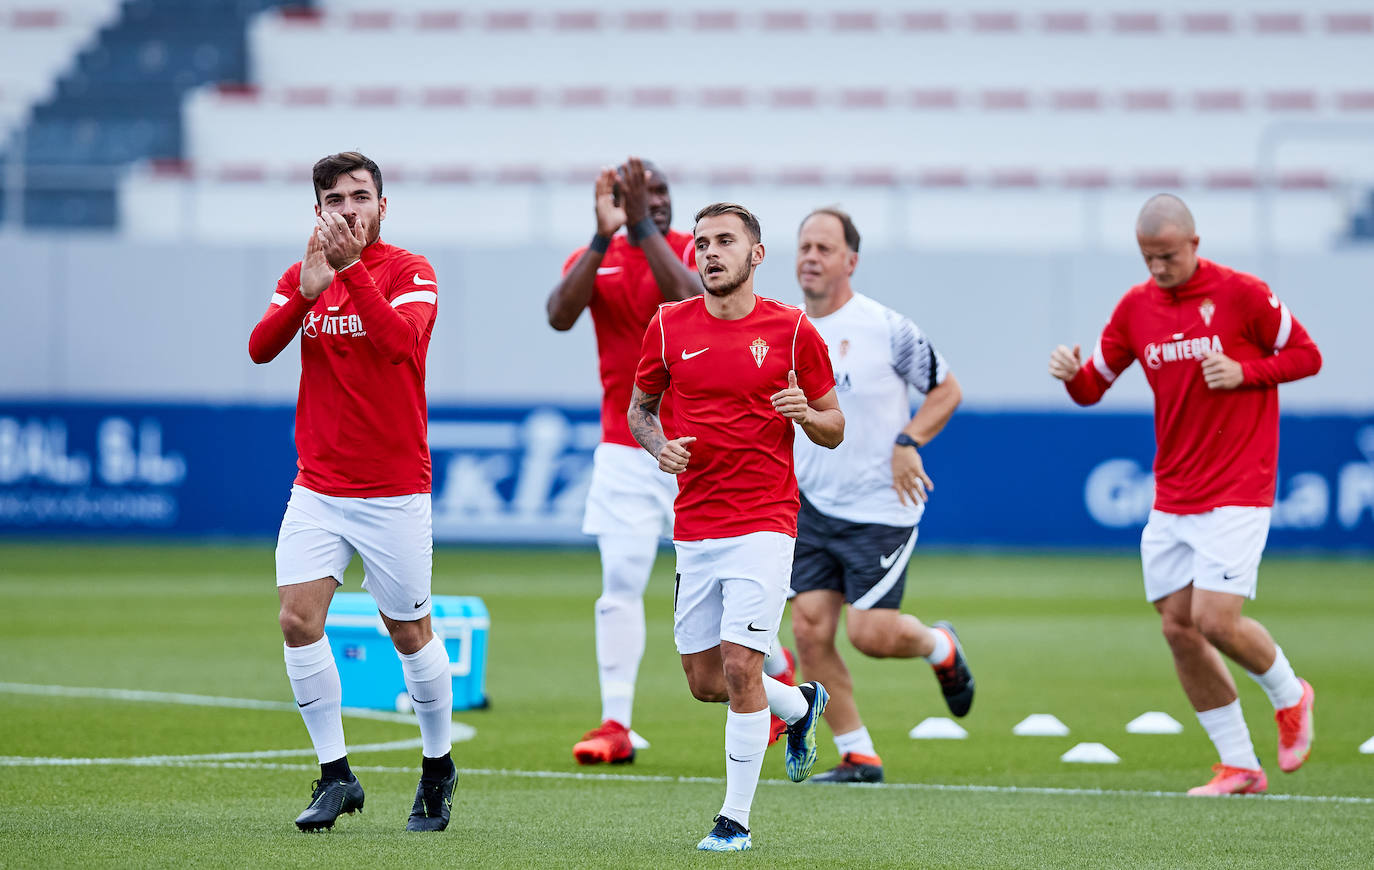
<point>721,376</point>
<point>361,416</point>
<point>1215,448</point>
<point>624,298</point>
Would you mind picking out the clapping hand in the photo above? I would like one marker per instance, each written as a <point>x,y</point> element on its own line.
<point>343,245</point>
<point>610,216</point>
<point>316,274</point>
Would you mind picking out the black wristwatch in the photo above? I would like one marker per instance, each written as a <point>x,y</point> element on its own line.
<point>906,440</point>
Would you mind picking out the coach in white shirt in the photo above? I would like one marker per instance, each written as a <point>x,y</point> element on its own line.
<point>861,502</point>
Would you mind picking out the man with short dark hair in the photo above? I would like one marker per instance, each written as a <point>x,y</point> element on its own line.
<point>1215,344</point>
<point>365,311</point>
<point>862,502</point>
<point>621,279</point>
<point>743,371</point>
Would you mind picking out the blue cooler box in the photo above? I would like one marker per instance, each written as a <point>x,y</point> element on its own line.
<point>369,668</point>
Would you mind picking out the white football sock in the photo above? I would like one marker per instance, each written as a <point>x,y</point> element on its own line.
<point>1279,682</point>
<point>1230,735</point>
<point>626,561</point>
<point>430,683</point>
<point>855,741</point>
<point>786,702</point>
<point>943,647</point>
<point>746,739</point>
<point>775,663</point>
<point>315,683</point>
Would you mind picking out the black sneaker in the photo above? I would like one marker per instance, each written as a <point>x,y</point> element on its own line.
<point>433,801</point>
<point>956,681</point>
<point>331,799</point>
<point>853,768</point>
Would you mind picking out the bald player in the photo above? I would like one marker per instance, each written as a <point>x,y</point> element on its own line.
<point>1215,344</point>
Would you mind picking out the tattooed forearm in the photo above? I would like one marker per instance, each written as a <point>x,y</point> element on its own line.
<point>644,423</point>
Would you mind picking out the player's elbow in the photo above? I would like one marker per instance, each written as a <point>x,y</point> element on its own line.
<point>259,354</point>
<point>952,392</point>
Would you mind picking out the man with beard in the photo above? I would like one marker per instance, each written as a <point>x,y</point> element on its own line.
<point>1214,344</point>
<point>365,311</point>
<point>739,369</point>
<point>622,279</point>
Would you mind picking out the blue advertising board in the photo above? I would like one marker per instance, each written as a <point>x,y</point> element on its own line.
<point>519,474</point>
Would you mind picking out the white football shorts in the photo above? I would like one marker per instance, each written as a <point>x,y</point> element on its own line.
<point>629,495</point>
<point>1218,550</point>
<point>393,534</point>
<point>731,589</point>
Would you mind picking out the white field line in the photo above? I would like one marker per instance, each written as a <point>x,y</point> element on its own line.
<point>247,764</point>
<point>461,732</point>
<point>194,760</point>
<point>250,760</point>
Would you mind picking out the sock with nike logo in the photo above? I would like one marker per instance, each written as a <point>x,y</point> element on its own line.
<point>430,683</point>
<point>746,740</point>
<point>315,683</point>
<point>784,701</point>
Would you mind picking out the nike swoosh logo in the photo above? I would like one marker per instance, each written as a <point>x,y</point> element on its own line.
<point>306,704</point>
<point>1229,576</point>
<point>420,604</point>
<point>751,627</point>
<point>1177,336</point>
<point>686,355</point>
<point>733,758</point>
<point>609,270</point>
<point>1273,301</point>
<point>886,561</point>
<point>422,282</point>
<point>418,701</point>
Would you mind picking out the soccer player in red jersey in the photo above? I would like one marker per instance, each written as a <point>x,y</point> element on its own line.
<point>1215,344</point>
<point>622,279</point>
<point>365,311</point>
<point>739,369</point>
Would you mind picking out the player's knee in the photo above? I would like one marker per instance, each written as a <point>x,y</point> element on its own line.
<point>1217,628</point>
<point>298,628</point>
<point>1179,633</point>
<point>870,643</point>
<point>810,631</point>
<point>610,603</point>
<point>709,691</point>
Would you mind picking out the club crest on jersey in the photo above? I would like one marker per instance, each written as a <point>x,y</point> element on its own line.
<point>759,348</point>
<point>1207,309</point>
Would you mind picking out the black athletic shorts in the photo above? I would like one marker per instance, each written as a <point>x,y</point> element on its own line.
<point>865,561</point>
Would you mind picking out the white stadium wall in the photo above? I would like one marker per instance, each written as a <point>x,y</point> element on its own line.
<point>91,319</point>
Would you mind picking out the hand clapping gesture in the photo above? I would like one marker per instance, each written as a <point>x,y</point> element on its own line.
<point>610,216</point>
<point>633,191</point>
<point>342,244</point>
<point>316,274</point>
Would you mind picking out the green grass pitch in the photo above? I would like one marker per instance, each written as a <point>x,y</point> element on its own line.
<point>1068,635</point>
